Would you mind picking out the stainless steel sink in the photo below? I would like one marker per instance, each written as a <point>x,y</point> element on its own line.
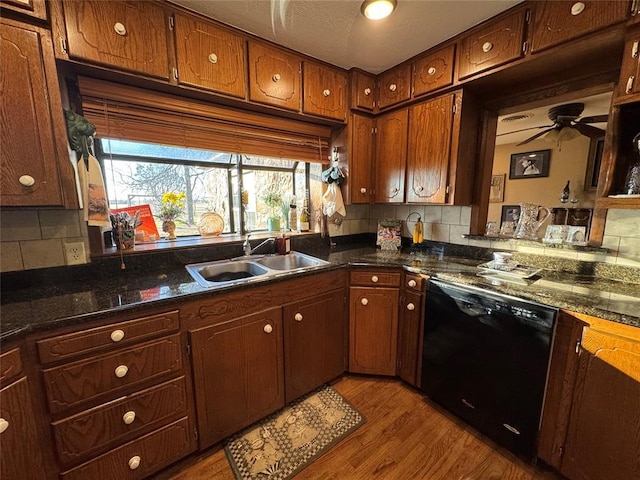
<point>249,269</point>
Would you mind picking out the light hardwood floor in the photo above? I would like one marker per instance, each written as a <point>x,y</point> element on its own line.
<point>405,437</point>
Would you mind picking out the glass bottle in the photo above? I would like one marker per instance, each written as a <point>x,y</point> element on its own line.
<point>564,196</point>
<point>303,222</point>
<point>293,213</point>
<point>632,185</point>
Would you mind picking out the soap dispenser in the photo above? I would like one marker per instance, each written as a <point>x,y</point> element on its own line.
<point>418,231</point>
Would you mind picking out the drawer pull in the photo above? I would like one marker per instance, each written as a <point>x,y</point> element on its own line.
<point>3,425</point>
<point>268,328</point>
<point>326,92</point>
<point>375,279</point>
<point>276,77</point>
<point>629,84</point>
<point>419,188</point>
<point>487,46</point>
<point>367,92</point>
<point>411,306</point>
<point>298,317</point>
<point>120,28</point>
<point>121,371</point>
<point>27,180</point>
<point>117,335</point>
<point>213,58</point>
<point>364,301</point>
<point>393,87</point>
<point>577,8</point>
<point>134,462</point>
<point>412,283</point>
<point>129,417</point>
<point>363,190</point>
<point>634,50</point>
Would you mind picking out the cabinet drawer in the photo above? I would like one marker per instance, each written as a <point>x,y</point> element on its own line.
<point>433,71</point>
<point>414,283</point>
<point>10,365</point>
<point>555,22</point>
<point>495,44</point>
<point>274,77</point>
<point>74,383</point>
<point>395,86</point>
<point>372,278</point>
<point>67,346</point>
<point>90,432</point>
<point>139,458</point>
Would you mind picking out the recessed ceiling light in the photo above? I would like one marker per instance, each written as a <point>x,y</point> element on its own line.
<point>377,9</point>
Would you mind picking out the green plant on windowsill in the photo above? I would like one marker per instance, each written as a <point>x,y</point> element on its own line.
<point>273,200</point>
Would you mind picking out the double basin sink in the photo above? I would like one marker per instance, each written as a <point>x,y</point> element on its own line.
<point>241,270</point>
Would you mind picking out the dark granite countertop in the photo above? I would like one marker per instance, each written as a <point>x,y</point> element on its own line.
<point>73,302</point>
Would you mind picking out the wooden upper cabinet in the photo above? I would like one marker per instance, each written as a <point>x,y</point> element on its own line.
<point>361,161</point>
<point>394,86</point>
<point>325,91</point>
<point>363,90</point>
<point>274,77</point>
<point>555,22</point>
<point>125,35</point>
<point>33,8</point>
<point>35,168</point>
<point>430,125</point>
<point>494,44</point>
<point>391,156</point>
<point>629,85</point>
<point>210,57</point>
<point>433,70</point>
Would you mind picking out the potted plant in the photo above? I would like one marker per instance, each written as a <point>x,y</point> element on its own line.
<point>273,200</point>
<point>172,206</point>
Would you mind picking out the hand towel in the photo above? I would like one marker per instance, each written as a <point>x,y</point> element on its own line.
<point>97,205</point>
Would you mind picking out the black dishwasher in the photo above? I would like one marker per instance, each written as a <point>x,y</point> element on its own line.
<point>485,359</point>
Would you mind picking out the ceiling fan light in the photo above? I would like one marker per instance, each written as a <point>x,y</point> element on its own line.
<point>378,9</point>
<point>567,134</point>
<point>552,136</point>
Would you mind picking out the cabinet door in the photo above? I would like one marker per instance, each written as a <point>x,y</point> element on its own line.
<point>603,440</point>
<point>391,156</point>
<point>274,77</point>
<point>19,438</point>
<point>394,86</point>
<point>629,84</point>
<point>325,91</point>
<point>32,117</point>
<point>126,35</point>
<point>361,165</point>
<point>210,57</point>
<point>410,320</point>
<point>433,70</point>
<point>33,8</point>
<point>363,89</point>
<point>555,22</point>
<point>314,338</point>
<point>429,154</point>
<point>238,373</point>
<point>493,45</point>
<point>373,330</point>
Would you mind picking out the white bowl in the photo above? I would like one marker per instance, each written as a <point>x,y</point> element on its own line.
<point>502,258</point>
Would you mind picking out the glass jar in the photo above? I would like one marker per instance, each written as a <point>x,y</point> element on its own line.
<point>632,184</point>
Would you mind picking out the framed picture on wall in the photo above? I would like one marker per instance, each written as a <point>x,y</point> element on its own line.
<point>529,164</point>
<point>510,213</point>
<point>496,193</point>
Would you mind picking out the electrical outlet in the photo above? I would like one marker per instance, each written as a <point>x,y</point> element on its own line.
<point>75,253</point>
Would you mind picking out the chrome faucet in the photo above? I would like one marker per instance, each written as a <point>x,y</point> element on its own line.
<point>246,246</point>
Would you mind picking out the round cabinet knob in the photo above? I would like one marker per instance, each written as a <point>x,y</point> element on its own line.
<point>276,77</point>
<point>129,417</point>
<point>213,58</point>
<point>268,328</point>
<point>363,190</point>
<point>577,8</point>
<point>411,306</point>
<point>419,188</point>
<point>121,371</point>
<point>412,283</point>
<point>367,92</point>
<point>117,335</point>
<point>298,317</point>
<point>326,92</point>
<point>374,279</point>
<point>120,28</point>
<point>431,71</point>
<point>487,46</point>
<point>393,87</point>
<point>364,301</point>
<point>27,180</point>
<point>3,425</point>
<point>134,462</point>
<point>395,190</point>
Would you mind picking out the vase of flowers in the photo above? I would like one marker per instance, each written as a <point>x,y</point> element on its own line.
<point>273,200</point>
<point>172,206</point>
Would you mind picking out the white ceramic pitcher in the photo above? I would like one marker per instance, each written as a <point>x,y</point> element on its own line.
<point>532,217</point>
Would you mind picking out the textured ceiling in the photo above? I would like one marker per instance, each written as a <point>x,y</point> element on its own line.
<point>335,31</point>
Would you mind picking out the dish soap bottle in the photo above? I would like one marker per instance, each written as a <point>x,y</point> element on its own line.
<point>418,232</point>
<point>293,214</point>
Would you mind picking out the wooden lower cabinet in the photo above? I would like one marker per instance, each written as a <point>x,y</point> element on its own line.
<point>238,373</point>
<point>314,342</point>
<point>409,336</point>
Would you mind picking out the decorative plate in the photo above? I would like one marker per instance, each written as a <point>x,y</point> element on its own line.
<point>520,271</point>
<point>210,224</point>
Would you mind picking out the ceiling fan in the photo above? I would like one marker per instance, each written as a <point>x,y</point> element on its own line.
<point>565,126</point>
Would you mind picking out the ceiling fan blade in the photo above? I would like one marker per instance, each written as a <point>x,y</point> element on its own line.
<point>593,119</point>
<point>531,139</point>
<point>523,130</point>
<point>588,130</point>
